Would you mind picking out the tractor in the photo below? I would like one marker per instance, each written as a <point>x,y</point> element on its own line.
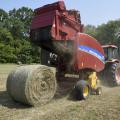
<point>76,56</point>
<point>110,76</point>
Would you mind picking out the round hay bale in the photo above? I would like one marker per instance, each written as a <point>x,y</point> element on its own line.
<point>32,84</point>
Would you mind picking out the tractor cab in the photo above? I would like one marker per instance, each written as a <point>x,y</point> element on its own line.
<point>111,52</point>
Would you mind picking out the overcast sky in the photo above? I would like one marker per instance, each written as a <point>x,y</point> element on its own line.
<point>93,12</point>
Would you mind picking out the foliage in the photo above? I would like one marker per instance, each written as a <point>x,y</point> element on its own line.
<point>106,33</point>
<point>90,30</point>
<point>15,44</point>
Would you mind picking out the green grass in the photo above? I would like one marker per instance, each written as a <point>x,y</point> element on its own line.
<point>6,68</point>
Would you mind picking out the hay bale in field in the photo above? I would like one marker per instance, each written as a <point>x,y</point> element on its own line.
<point>32,84</point>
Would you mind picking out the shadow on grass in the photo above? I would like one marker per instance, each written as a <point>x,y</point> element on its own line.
<point>6,101</point>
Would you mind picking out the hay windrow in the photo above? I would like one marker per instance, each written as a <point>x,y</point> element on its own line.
<point>33,84</point>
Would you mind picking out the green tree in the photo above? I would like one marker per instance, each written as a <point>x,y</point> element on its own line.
<point>109,33</point>
<point>25,55</point>
<point>3,18</point>
<point>90,30</point>
<point>16,27</point>
<point>7,54</point>
<point>5,36</point>
<point>21,19</point>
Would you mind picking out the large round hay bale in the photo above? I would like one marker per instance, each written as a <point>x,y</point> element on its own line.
<point>32,84</point>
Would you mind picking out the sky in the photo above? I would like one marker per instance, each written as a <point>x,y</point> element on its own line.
<point>94,12</point>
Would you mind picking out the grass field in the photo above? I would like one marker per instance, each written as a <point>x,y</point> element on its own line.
<point>103,107</point>
<point>6,68</point>
<point>4,71</point>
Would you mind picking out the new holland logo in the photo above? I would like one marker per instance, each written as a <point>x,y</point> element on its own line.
<point>93,52</point>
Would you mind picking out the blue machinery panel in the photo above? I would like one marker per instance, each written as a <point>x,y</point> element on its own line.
<point>92,51</point>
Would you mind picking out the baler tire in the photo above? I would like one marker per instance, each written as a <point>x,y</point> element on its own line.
<point>80,86</point>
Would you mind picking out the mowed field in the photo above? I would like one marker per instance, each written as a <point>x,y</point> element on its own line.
<point>102,107</point>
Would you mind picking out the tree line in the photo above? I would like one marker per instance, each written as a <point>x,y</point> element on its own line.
<point>15,45</point>
<point>108,33</point>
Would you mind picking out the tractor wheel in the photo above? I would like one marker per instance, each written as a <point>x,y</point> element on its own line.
<point>112,74</point>
<point>82,90</point>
